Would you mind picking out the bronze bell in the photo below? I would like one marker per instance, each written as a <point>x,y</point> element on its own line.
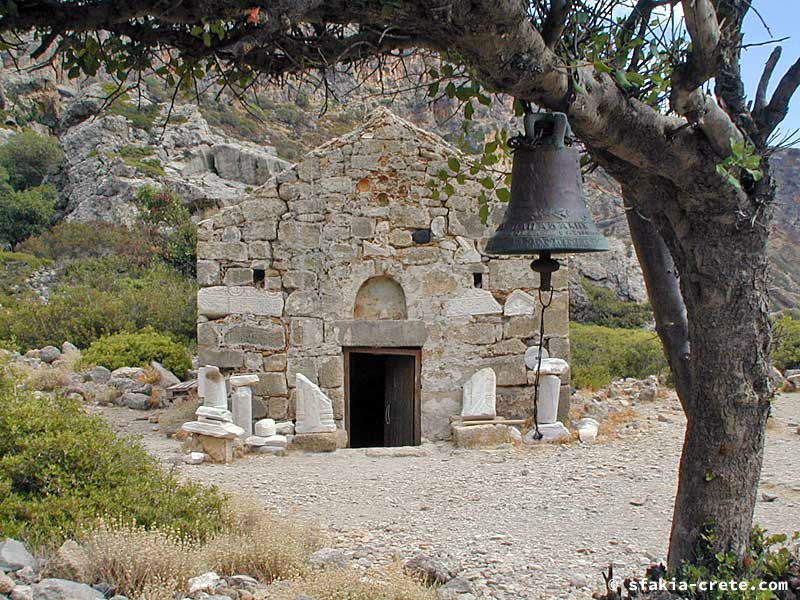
<point>547,212</point>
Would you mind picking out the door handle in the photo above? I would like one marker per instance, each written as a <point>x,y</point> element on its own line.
<point>388,414</point>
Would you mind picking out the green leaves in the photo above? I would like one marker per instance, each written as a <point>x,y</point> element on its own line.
<point>743,161</point>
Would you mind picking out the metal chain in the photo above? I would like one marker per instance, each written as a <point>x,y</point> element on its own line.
<point>537,435</point>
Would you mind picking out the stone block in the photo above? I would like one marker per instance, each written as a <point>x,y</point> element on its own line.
<point>262,230</point>
<point>223,358</point>
<point>299,235</point>
<point>315,442</point>
<point>521,327</point>
<point>559,348</point>
<point>481,436</point>
<point>386,334</point>
<point>219,301</point>
<point>207,273</point>
<point>259,407</point>
<point>478,333</point>
<point>275,362</point>
<point>259,250</point>
<point>336,396</point>
<point>515,402</point>
<point>564,399</point>
<point>302,280</point>
<point>362,227</point>
<point>220,450</point>
<point>511,274</point>
<point>231,234</point>
<point>510,370</point>
<point>302,303</point>
<point>278,408</point>
<point>557,315</point>
<point>400,238</point>
<point>271,384</point>
<point>423,255</point>
<point>519,303</point>
<point>238,276</point>
<point>472,302</point>
<point>411,217</point>
<point>306,332</point>
<point>207,336</point>
<point>305,365</point>
<point>331,371</point>
<point>270,336</point>
<point>233,251</point>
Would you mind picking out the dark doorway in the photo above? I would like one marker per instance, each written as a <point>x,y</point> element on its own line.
<point>382,397</point>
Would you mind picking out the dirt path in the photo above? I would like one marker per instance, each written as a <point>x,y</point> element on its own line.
<point>532,523</point>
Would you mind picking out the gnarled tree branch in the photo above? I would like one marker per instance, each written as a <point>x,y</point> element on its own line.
<point>554,23</point>
<point>763,83</point>
<point>778,107</point>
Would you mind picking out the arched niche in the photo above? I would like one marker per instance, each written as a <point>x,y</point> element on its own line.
<point>380,298</point>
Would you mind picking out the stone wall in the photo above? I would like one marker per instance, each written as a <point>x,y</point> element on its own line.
<point>280,273</point>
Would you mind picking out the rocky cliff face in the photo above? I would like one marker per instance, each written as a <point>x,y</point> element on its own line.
<point>212,153</point>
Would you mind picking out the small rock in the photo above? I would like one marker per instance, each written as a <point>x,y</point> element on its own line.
<point>453,589</point>
<point>14,556</point>
<point>243,582</point>
<point>62,589</point>
<point>429,569</point>
<point>271,450</point>
<point>6,585</point>
<point>205,582</point>
<point>284,428</point>
<point>767,497</point>
<point>550,432</point>
<point>264,428</point>
<point>329,557</point>
<point>27,575</point>
<point>579,581</point>
<point>69,348</point>
<point>664,418</point>
<point>587,430</point>
<point>194,458</point>
<point>49,354</point>
<point>99,374</point>
<point>128,372</point>
<point>22,592</point>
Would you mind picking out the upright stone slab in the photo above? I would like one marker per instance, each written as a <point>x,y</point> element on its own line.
<point>211,387</point>
<point>480,395</point>
<point>242,402</point>
<point>519,303</point>
<point>314,408</point>
<point>549,388</point>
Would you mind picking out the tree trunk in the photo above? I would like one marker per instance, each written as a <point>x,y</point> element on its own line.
<point>712,318</point>
<point>722,262</point>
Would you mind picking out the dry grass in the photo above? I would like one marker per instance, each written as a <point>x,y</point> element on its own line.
<point>46,378</point>
<point>348,584</point>
<point>616,421</point>
<point>154,564</point>
<point>178,413</point>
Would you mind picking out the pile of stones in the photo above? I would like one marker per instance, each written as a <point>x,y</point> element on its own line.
<point>133,387</point>
<point>630,391</point>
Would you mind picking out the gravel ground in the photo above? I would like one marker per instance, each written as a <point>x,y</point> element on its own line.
<point>536,522</point>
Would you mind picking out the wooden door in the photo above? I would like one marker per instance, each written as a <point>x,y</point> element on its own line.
<point>399,402</point>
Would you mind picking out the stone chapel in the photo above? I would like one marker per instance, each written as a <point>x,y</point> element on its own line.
<point>346,269</point>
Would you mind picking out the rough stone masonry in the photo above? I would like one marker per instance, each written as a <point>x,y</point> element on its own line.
<point>348,248</point>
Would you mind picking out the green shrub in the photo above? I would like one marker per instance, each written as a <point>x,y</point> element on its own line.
<point>61,469</point>
<point>141,116</point>
<point>601,354</point>
<point>29,158</point>
<point>70,240</point>
<point>173,230</point>
<point>786,342</point>
<point>768,558</point>
<point>24,213</point>
<point>79,314</point>
<point>138,349</point>
<point>605,308</point>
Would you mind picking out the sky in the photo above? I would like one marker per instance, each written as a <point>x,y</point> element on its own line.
<point>783,19</point>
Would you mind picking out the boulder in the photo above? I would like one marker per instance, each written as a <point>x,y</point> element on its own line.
<point>204,583</point>
<point>49,353</point>
<point>14,556</point>
<point>136,401</point>
<point>21,592</point>
<point>166,377</point>
<point>72,561</point>
<point>99,374</point>
<point>453,589</point>
<point>61,589</point>
<point>6,583</point>
<point>69,348</point>
<point>128,373</point>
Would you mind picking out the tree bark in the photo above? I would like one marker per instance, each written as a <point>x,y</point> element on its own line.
<point>722,262</point>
